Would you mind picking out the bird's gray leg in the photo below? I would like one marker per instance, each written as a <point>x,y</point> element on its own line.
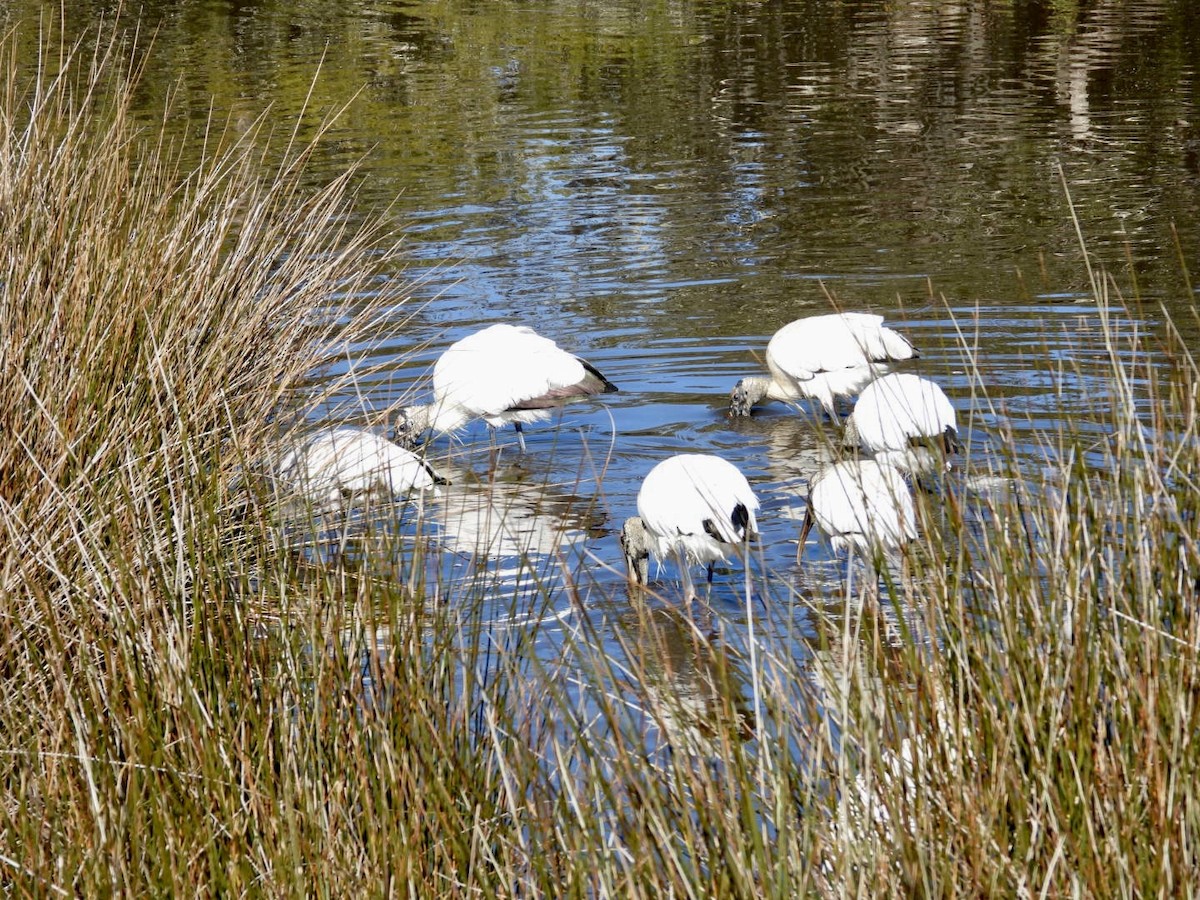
<point>685,574</point>
<point>710,573</point>
<point>520,435</point>
<point>804,530</point>
<point>494,450</point>
<point>690,596</point>
<point>493,460</point>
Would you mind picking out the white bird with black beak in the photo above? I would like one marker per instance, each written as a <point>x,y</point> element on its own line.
<point>906,421</point>
<point>862,506</point>
<point>336,465</point>
<point>823,358</point>
<point>693,507</point>
<point>502,374</point>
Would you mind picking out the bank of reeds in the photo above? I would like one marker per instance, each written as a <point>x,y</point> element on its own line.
<point>1042,744</point>
<point>184,710</point>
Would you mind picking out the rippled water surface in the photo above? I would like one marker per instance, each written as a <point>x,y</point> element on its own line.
<point>658,187</point>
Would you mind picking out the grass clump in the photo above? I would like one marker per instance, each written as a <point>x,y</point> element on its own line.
<point>1039,740</point>
<point>157,318</point>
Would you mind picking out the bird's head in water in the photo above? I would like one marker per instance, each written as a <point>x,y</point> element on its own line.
<point>410,423</point>
<point>635,544</point>
<point>744,395</point>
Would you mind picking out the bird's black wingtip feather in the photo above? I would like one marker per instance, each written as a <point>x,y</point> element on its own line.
<point>740,517</point>
<point>606,386</point>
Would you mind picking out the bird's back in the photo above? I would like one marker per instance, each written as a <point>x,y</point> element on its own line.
<point>699,495</point>
<point>895,409</point>
<point>863,504</point>
<point>346,460</point>
<point>828,343</point>
<point>507,367</point>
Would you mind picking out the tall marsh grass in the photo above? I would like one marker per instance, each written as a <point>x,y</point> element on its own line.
<point>184,709</point>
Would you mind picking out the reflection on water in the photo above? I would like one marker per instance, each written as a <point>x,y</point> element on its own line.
<point>688,688</point>
<point>712,164</point>
<point>509,527</point>
<point>371,533</point>
<point>493,518</point>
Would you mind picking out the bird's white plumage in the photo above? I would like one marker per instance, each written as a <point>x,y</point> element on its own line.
<point>335,464</point>
<point>898,409</point>
<point>682,493</point>
<point>834,355</point>
<point>824,357</point>
<point>503,374</point>
<point>837,341</point>
<point>487,373</point>
<point>694,507</point>
<point>863,505</point>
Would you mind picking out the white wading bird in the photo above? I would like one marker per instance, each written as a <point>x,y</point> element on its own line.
<point>823,358</point>
<point>694,507</point>
<point>860,505</point>
<point>502,374</point>
<point>334,465</point>
<point>906,421</point>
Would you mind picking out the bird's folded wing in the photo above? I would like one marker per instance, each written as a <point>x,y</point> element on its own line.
<point>522,370</point>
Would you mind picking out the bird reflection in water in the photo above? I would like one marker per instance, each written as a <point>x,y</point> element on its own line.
<point>517,525</point>
<point>687,683</point>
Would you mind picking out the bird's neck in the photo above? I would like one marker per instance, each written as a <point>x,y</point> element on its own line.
<point>770,389</point>
<point>635,544</point>
<point>850,436</point>
<point>443,416</point>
